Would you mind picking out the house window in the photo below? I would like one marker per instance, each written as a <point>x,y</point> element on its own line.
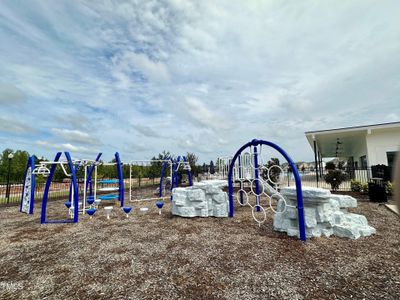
<point>390,158</point>
<point>363,161</point>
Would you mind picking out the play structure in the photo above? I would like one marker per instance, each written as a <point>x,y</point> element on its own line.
<point>142,174</point>
<point>256,183</point>
<point>96,192</point>
<point>70,167</point>
<point>111,189</point>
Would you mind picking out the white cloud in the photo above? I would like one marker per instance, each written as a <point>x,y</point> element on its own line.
<point>208,75</point>
<point>127,63</point>
<point>146,131</point>
<point>74,136</point>
<point>65,147</point>
<point>200,113</point>
<point>15,126</point>
<point>9,94</point>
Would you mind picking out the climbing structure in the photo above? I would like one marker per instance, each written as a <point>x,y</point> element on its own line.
<point>245,171</point>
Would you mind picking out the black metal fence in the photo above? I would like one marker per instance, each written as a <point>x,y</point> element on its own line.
<point>354,177</point>
<point>12,193</point>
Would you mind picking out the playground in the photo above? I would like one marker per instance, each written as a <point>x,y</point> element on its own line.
<point>154,256</point>
<point>111,240</point>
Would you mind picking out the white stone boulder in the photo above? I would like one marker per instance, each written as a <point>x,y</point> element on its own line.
<point>203,199</point>
<point>324,215</point>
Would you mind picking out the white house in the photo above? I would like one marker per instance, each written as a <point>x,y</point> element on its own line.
<point>361,146</point>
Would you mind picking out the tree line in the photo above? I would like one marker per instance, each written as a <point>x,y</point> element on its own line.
<point>15,167</point>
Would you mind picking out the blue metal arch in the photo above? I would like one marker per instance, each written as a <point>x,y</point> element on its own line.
<point>47,188</point>
<point>174,177</point>
<point>120,179</point>
<point>30,164</point>
<point>164,165</point>
<point>299,192</point>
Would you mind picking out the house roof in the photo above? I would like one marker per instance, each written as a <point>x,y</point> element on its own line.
<point>357,128</point>
<point>342,142</point>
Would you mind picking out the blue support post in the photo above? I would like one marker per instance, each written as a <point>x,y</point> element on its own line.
<point>240,182</point>
<point>74,185</point>
<point>120,178</point>
<point>256,175</point>
<point>47,188</point>
<point>164,165</point>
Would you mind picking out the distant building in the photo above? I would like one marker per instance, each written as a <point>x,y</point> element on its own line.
<point>360,146</point>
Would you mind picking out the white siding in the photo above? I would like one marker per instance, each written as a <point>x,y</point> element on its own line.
<point>379,142</point>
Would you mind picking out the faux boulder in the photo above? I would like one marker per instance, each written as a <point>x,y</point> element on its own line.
<point>325,214</point>
<point>203,199</point>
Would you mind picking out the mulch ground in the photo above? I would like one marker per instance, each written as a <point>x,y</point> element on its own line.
<point>165,257</point>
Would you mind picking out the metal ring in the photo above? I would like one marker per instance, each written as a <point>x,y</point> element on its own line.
<point>280,197</point>
<point>264,213</point>
<point>247,197</point>
<point>260,183</point>
<point>269,177</point>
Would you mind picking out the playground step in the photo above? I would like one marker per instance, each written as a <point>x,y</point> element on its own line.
<point>108,189</point>
<point>108,181</point>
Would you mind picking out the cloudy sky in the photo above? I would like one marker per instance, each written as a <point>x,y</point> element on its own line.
<point>140,77</point>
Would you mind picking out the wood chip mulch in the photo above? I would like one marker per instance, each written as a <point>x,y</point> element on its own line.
<point>165,257</point>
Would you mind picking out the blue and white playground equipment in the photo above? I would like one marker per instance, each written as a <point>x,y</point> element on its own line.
<point>28,189</point>
<point>180,162</point>
<point>74,204</point>
<point>162,192</point>
<point>244,174</point>
<point>167,183</point>
<point>70,167</point>
<point>113,189</point>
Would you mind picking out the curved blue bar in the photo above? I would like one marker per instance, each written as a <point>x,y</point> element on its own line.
<point>164,165</point>
<point>47,188</point>
<point>75,186</point>
<point>299,192</point>
<point>120,178</point>
<point>241,183</point>
<point>257,178</point>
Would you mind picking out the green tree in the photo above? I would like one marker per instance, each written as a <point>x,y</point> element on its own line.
<point>192,159</point>
<point>274,173</point>
<point>212,168</point>
<point>335,178</point>
<point>330,165</point>
<point>16,165</point>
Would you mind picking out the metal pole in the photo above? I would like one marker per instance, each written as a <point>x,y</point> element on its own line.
<point>8,181</point>
<point>130,182</point>
<point>95,181</point>
<point>256,178</point>
<point>316,162</point>
<point>84,191</point>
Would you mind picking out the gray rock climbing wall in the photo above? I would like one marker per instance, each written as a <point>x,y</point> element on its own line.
<point>325,215</point>
<point>203,199</point>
